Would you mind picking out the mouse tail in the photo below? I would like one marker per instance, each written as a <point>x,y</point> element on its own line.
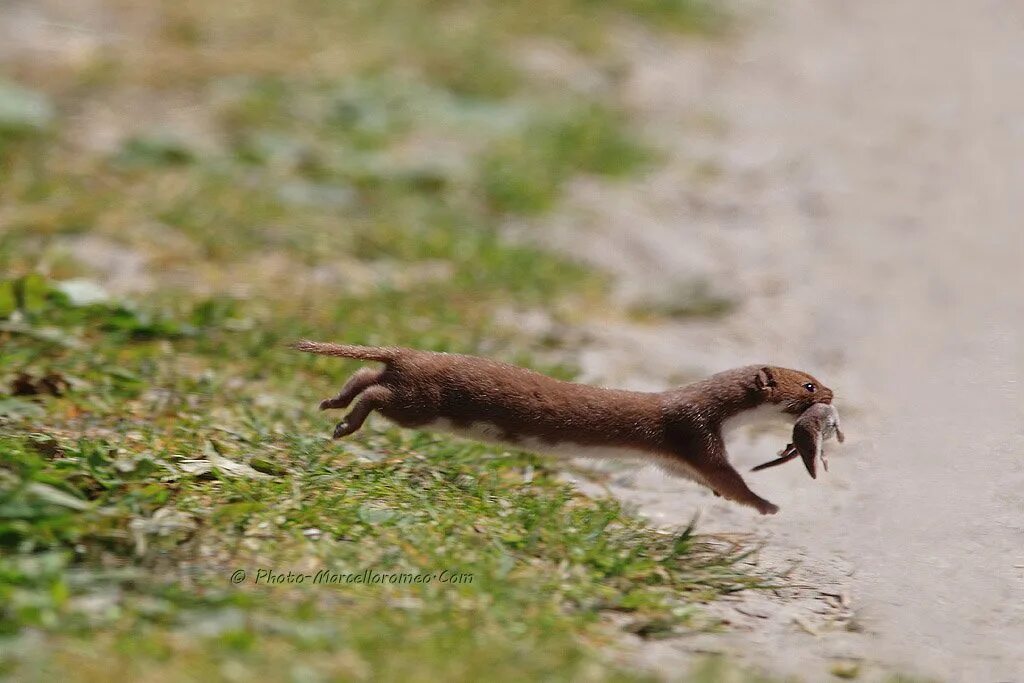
<point>383,354</point>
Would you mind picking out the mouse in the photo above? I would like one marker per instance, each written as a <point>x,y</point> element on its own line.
<point>812,429</point>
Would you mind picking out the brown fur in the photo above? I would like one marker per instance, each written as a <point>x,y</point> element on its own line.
<point>680,428</point>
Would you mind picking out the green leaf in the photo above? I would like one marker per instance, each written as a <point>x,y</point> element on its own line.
<point>30,292</point>
<point>7,302</point>
<point>267,466</point>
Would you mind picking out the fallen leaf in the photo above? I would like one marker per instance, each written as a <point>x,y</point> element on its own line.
<point>215,461</point>
<point>56,496</point>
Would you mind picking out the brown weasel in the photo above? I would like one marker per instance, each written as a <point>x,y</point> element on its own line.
<point>680,429</point>
<point>812,429</point>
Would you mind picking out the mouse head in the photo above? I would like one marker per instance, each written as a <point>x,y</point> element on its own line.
<point>793,391</point>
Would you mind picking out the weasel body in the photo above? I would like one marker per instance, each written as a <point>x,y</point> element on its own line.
<point>679,429</point>
<point>813,428</point>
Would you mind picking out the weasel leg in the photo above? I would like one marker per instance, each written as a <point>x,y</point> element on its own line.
<point>356,384</point>
<point>373,398</point>
<point>723,478</point>
<point>707,462</point>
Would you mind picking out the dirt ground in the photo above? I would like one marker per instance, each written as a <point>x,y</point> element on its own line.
<point>851,172</point>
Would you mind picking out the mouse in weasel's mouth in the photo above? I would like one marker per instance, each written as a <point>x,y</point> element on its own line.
<point>812,429</point>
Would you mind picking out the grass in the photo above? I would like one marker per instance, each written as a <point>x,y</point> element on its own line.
<point>522,174</point>
<point>356,165</point>
<point>174,450</point>
<point>694,299</point>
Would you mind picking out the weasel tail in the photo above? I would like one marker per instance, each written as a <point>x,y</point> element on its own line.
<point>383,354</point>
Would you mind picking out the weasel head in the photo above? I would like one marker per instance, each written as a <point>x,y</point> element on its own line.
<point>791,390</point>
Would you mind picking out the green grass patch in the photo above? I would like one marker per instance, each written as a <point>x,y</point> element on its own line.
<point>694,299</point>
<point>156,461</point>
<point>524,173</point>
<point>355,165</point>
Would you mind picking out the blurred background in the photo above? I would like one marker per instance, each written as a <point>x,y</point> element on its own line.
<point>628,192</point>
<point>361,149</point>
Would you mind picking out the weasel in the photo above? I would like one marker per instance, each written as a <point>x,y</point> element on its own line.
<point>680,429</point>
<point>813,428</point>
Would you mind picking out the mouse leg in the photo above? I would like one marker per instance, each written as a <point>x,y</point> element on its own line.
<point>356,384</point>
<point>373,398</point>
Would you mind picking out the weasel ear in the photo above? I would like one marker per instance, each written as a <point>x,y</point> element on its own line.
<point>764,378</point>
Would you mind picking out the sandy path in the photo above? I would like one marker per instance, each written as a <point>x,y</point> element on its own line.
<point>867,202</point>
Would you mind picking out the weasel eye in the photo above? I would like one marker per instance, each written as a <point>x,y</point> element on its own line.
<point>810,387</point>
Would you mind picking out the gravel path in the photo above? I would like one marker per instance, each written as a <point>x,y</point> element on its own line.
<point>854,172</point>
